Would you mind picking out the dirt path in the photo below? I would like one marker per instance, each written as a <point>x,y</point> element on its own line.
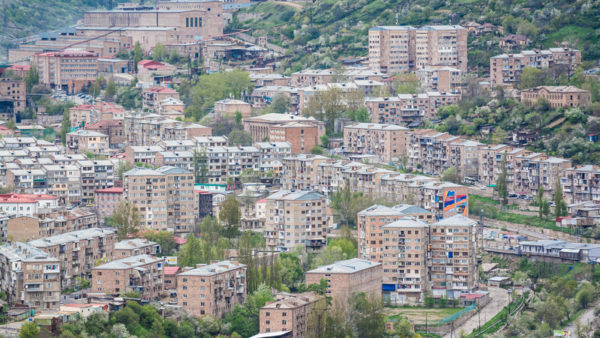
<point>291,4</point>
<point>586,318</point>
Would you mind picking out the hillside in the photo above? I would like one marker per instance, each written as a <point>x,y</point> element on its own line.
<point>21,18</point>
<point>333,29</point>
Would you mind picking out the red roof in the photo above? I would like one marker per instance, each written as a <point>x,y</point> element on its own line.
<point>113,190</point>
<point>70,53</point>
<point>3,128</point>
<point>17,200</point>
<point>180,240</point>
<point>264,200</point>
<point>472,295</point>
<point>171,270</point>
<point>20,67</point>
<point>34,197</point>
<point>151,64</point>
<point>164,90</point>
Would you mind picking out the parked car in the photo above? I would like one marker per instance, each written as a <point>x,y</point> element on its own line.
<point>513,196</point>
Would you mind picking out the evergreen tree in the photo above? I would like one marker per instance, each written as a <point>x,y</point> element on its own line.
<point>501,184</point>
<point>539,199</point>
<point>560,207</point>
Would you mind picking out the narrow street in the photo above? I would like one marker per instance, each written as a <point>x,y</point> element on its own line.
<point>499,299</point>
<point>587,318</point>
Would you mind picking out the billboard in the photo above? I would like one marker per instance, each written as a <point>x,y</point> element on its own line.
<point>456,203</point>
<point>171,260</point>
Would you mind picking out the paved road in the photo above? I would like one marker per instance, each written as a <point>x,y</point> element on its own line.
<point>499,299</point>
<point>586,318</point>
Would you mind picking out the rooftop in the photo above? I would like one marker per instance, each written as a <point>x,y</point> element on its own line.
<point>129,262</point>
<point>348,266</point>
<point>296,195</point>
<point>213,269</point>
<point>73,236</point>
<point>133,243</point>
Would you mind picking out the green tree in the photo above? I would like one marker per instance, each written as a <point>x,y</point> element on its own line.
<point>402,329</point>
<point>532,77</point>
<point>239,138</point>
<point>160,52</point>
<point>163,238</point>
<point>499,136</point>
<point>317,150</point>
<point>65,127</point>
<point>545,208</point>
<point>366,315</point>
<point>406,84</point>
<point>29,330</point>
<point>501,183</point>
<point>32,77</point>
<point>191,252</point>
<point>560,207</point>
<point>585,296</point>
<point>290,270</point>
<point>244,318</point>
<point>123,167</point>
<point>280,104</point>
<point>111,89</point>
<point>230,211</point>
<point>325,141</point>
<point>96,323</point>
<point>127,219</point>
<point>539,199</point>
<point>138,54</point>
<point>451,175</point>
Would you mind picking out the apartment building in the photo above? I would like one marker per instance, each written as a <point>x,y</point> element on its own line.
<point>296,218</point>
<point>345,278</point>
<point>142,129</point>
<point>142,154</point>
<point>64,181</point>
<point>29,276</point>
<point>405,260</point>
<point>259,126</point>
<point>113,129</point>
<point>428,150</point>
<point>224,162</point>
<point>49,223</point>
<point>557,96</point>
<point>82,141</point>
<point>143,274</point>
<point>348,92</point>
<point>85,114</point>
<point>179,159</point>
<point>453,263</point>
<point>78,251</point>
<point>581,184</point>
<point>107,200</point>
<point>27,181</point>
<point>403,49</point>
<point>292,312</point>
<point>506,69</point>
<point>229,107</point>
<point>264,96</point>
<point>152,96</point>
<point>135,247</point>
<point>69,70</point>
<point>409,109</point>
<point>387,141</point>
<point>163,196</point>
<point>300,171</point>
<point>212,289</point>
<point>182,145</point>
<point>440,79</point>
<point>15,91</point>
<point>95,175</point>
<point>203,142</point>
<point>302,137</point>
<point>271,154</point>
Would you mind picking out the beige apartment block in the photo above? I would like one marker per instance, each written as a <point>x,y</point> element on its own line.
<point>403,49</point>
<point>142,129</point>
<point>453,263</point>
<point>78,251</point>
<point>301,171</point>
<point>440,79</point>
<point>212,289</point>
<point>29,276</point>
<point>557,96</point>
<point>50,223</point>
<point>259,126</point>
<point>506,69</point>
<point>163,196</point>
<point>346,278</point>
<point>135,247</point>
<point>405,109</point>
<point>387,141</point>
<point>151,97</point>
<point>229,107</point>
<point>293,312</point>
<point>302,137</point>
<point>296,218</point>
<point>405,260</point>
<point>14,90</point>
<point>581,184</point>
<point>82,140</point>
<point>142,273</point>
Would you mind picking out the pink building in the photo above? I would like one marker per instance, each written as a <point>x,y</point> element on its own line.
<point>107,200</point>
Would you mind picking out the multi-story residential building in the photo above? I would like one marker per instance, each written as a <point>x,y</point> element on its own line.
<point>30,276</point>
<point>302,137</point>
<point>264,96</point>
<point>345,278</point>
<point>78,251</point>
<point>384,140</point>
<point>86,114</point>
<point>135,247</point>
<point>16,92</point>
<point>82,141</point>
<point>151,97</point>
<point>212,289</point>
<point>144,129</point>
<point>95,175</point>
<point>402,49</point>
<point>142,273</point>
<point>452,260</point>
<point>440,79</point>
<point>70,69</point>
<point>50,223</point>
<point>107,200</point>
<point>203,142</point>
<point>164,197</point>
<point>64,181</point>
<point>27,181</point>
<point>17,205</point>
<point>224,162</point>
<point>557,96</point>
<point>296,218</point>
<point>408,109</point>
<point>112,128</point>
<point>581,184</point>
<point>259,127</point>
<point>179,159</point>
<point>271,154</point>
<point>292,312</point>
<point>370,230</point>
<point>142,154</point>
<point>348,92</point>
<point>405,260</point>
<point>428,150</point>
<point>506,69</point>
<point>229,107</point>
<point>180,145</point>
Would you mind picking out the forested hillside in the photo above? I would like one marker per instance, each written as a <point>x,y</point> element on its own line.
<point>331,29</point>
